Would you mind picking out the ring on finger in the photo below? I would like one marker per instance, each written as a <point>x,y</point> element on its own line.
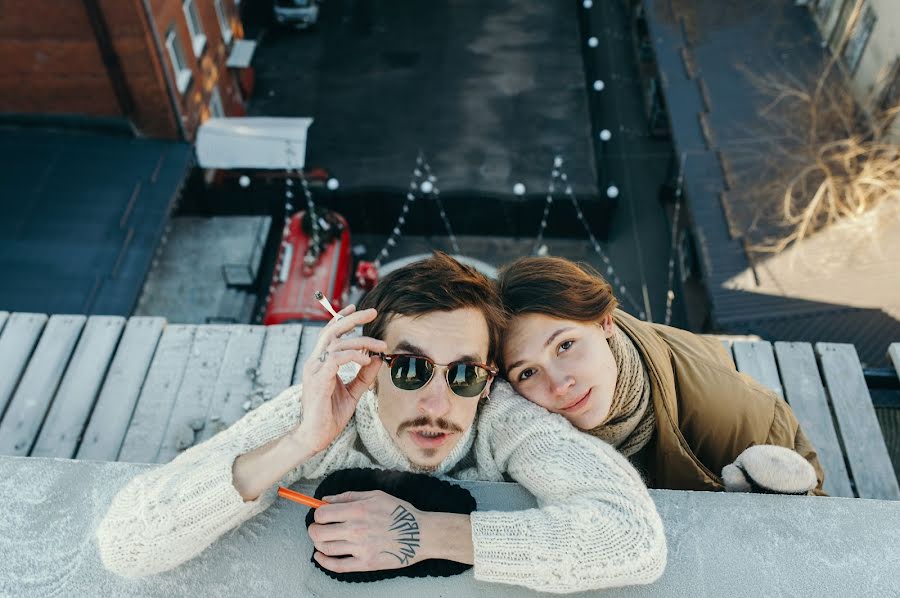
<point>323,356</point>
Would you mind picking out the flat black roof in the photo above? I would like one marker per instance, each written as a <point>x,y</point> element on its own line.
<point>490,91</point>
<point>82,215</point>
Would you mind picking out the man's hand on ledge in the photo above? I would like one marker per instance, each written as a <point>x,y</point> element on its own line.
<point>372,531</point>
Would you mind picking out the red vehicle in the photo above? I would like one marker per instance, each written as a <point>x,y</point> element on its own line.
<point>294,282</point>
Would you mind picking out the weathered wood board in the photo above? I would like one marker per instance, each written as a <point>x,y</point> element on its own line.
<point>78,391</point>
<point>102,439</point>
<point>867,455</point>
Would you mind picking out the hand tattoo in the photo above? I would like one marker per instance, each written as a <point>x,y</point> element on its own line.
<point>407,535</point>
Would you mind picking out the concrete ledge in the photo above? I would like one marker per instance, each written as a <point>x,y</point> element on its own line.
<point>719,544</point>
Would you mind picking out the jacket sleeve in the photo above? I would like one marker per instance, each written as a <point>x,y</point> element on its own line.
<point>170,514</point>
<point>786,432</point>
<point>595,526</point>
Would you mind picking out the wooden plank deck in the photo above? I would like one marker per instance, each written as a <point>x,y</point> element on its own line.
<point>144,435</point>
<point>115,406</point>
<point>236,380</point>
<point>806,395</point>
<point>756,359</point>
<point>34,395</point>
<point>20,335</point>
<point>865,449</point>
<point>79,389</point>
<point>147,393</point>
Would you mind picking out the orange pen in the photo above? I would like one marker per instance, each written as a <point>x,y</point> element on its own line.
<point>309,501</point>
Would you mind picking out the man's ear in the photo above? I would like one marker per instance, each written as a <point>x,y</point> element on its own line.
<point>606,323</point>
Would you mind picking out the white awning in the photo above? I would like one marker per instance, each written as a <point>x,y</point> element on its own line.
<point>253,142</point>
<point>241,54</point>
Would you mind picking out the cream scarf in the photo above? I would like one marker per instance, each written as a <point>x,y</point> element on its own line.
<point>631,420</point>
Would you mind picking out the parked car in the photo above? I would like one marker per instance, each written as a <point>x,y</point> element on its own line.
<point>300,13</point>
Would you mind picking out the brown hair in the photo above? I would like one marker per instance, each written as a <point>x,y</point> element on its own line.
<point>556,287</point>
<point>438,283</point>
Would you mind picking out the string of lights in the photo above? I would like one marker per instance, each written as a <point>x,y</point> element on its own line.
<point>559,177</point>
<point>436,194</point>
<point>414,183</point>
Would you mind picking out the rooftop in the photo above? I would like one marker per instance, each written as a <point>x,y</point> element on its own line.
<point>83,214</point>
<point>842,283</point>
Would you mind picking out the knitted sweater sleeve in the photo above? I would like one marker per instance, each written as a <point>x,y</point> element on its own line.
<point>595,526</point>
<point>170,514</point>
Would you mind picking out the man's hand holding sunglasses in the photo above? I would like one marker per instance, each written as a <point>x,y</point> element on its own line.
<point>328,402</point>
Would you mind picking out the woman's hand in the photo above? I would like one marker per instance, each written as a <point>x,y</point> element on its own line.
<point>329,403</point>
<point>372,531</point>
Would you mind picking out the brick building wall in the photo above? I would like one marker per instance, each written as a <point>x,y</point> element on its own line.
<point>53,63</point>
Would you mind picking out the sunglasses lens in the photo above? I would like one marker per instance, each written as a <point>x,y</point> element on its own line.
<point>466,379</point>
<point>410,373</point>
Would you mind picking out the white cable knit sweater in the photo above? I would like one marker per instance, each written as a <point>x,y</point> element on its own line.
<point>595,527</point>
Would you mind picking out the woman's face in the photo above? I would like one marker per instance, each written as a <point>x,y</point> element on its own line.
<point>564,366</point>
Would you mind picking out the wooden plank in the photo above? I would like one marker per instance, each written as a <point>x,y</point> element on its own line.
<point>195,393</point>
<point>20,335</point>
<point>866,453</point>
<point>151,415</point>
<point>756,359</point>
<point>33,397</point>
<point>236,383</point>
<point>804,391</point>
<point>112,413</point>
<point>80,387</point>
<point>276,365</point>
<point>894,354</point>
<point>307,344</point>
<point>727,344</point>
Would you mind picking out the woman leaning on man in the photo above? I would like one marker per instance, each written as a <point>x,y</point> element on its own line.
<point>671,401</point>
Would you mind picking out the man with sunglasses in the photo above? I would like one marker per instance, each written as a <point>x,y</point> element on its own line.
<point>410,394</point>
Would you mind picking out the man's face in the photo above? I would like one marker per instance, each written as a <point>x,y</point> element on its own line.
<point>426,424</point>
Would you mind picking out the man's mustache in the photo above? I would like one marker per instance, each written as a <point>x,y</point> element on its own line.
<point>422,421</point>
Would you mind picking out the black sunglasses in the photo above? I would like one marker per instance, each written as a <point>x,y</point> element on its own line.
<point>411,372</point>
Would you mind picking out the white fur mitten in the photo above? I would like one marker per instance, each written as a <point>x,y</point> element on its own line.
<point>769,469</point>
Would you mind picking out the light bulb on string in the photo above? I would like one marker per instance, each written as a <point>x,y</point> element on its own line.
<point>612,192</point>
<point>605,135</point>
<point>593,42</point>
<point>599,85</point>
<point>332,184</point>
<point>519,189</point>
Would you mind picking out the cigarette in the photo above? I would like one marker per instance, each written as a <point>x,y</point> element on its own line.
<point>309,501</point>
<point>324,302</point>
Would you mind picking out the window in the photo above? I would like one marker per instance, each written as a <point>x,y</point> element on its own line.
<point>224,23</point>
<point>198,39</point>
<point>858,38</point>
<point>216,110</point>
<point>179,65</point>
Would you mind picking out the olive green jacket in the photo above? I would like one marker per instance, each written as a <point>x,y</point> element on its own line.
<point>707,412</point>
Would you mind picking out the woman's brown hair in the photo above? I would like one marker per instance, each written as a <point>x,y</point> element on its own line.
<point>556,287</point>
